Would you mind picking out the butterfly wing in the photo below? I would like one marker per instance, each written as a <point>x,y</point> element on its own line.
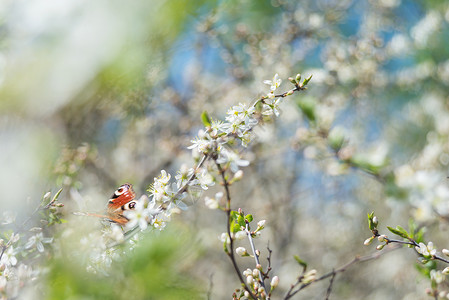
<point>121,196</point>
<point>121,200</point>
<point>120,221</point>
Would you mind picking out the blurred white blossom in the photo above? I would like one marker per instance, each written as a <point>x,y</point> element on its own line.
<point>38,241</point>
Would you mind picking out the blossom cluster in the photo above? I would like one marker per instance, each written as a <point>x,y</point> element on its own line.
<point>21,250</point>
<point>213,141</point>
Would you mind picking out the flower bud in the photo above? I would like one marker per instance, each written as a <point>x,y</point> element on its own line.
<point>257,252</point>
<point>261,223</point>
<point>255,273</point>
<point>238,175</point>
<point>241,251</point>
<point>446,271</point>
<point>225,238</point>
<point>380,247</point>
<point>47,195</point>
<point>368,241</point>
<point>211,203</point>
<point>240,235</point>
<point>382,238</point>
<point>375,220</point>
<point>249,279</point>
<point>445,252</point>
<point>274,282</point>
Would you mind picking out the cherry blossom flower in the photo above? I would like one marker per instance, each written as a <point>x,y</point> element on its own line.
<point>137,217</point>
<point>274,83</point>
<point>38,241</point>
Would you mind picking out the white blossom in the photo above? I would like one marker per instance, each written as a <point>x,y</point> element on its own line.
<point>183,175</point>
<point>228,156</point>
<point>38,241</point>
<point>139,216</point>
<point>240,235</point>
<point>205,179</point>
<point>428,250</point>
<point>436,276</point>
<point>211,203</point>
<point>274,83</point>
<point>9,257</point>
<point>218,126</point>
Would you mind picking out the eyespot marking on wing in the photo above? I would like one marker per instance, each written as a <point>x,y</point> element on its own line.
<point>129,206</point>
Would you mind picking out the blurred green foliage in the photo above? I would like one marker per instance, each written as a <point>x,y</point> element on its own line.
<point>154,269</point>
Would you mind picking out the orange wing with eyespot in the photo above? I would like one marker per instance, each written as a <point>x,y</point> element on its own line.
<point>121,200</point>
<point>118,203</point>
<point>121,196</point>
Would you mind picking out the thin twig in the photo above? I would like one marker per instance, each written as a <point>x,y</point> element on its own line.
<point>342,269</point>
<point>269,261</point>
<point>413,243</point>
<point>4,247</point>
<point>329,288</point>
<point>211,285</point>
<point>230,252</point>
<point>256,258</point>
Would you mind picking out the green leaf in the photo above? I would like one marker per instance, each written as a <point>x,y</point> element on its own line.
<point>249,218</point>
<point>235,227</point>
<point>361,162</point>
<point>371,224</point>
<point>56,196</point>
<point>307,107</point>
<point>300,262</point>
<point>235,223</point>
<point>401,229</point>
<point>306,81</point>
<point>411,227</point>
<point>205,118</point>
<point>225,246</point>
<point>419,236</point>
<point>398,232</point>
<point>241,221</point>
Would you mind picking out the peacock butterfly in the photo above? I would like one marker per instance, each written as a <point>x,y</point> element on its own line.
<point>123,199</point>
